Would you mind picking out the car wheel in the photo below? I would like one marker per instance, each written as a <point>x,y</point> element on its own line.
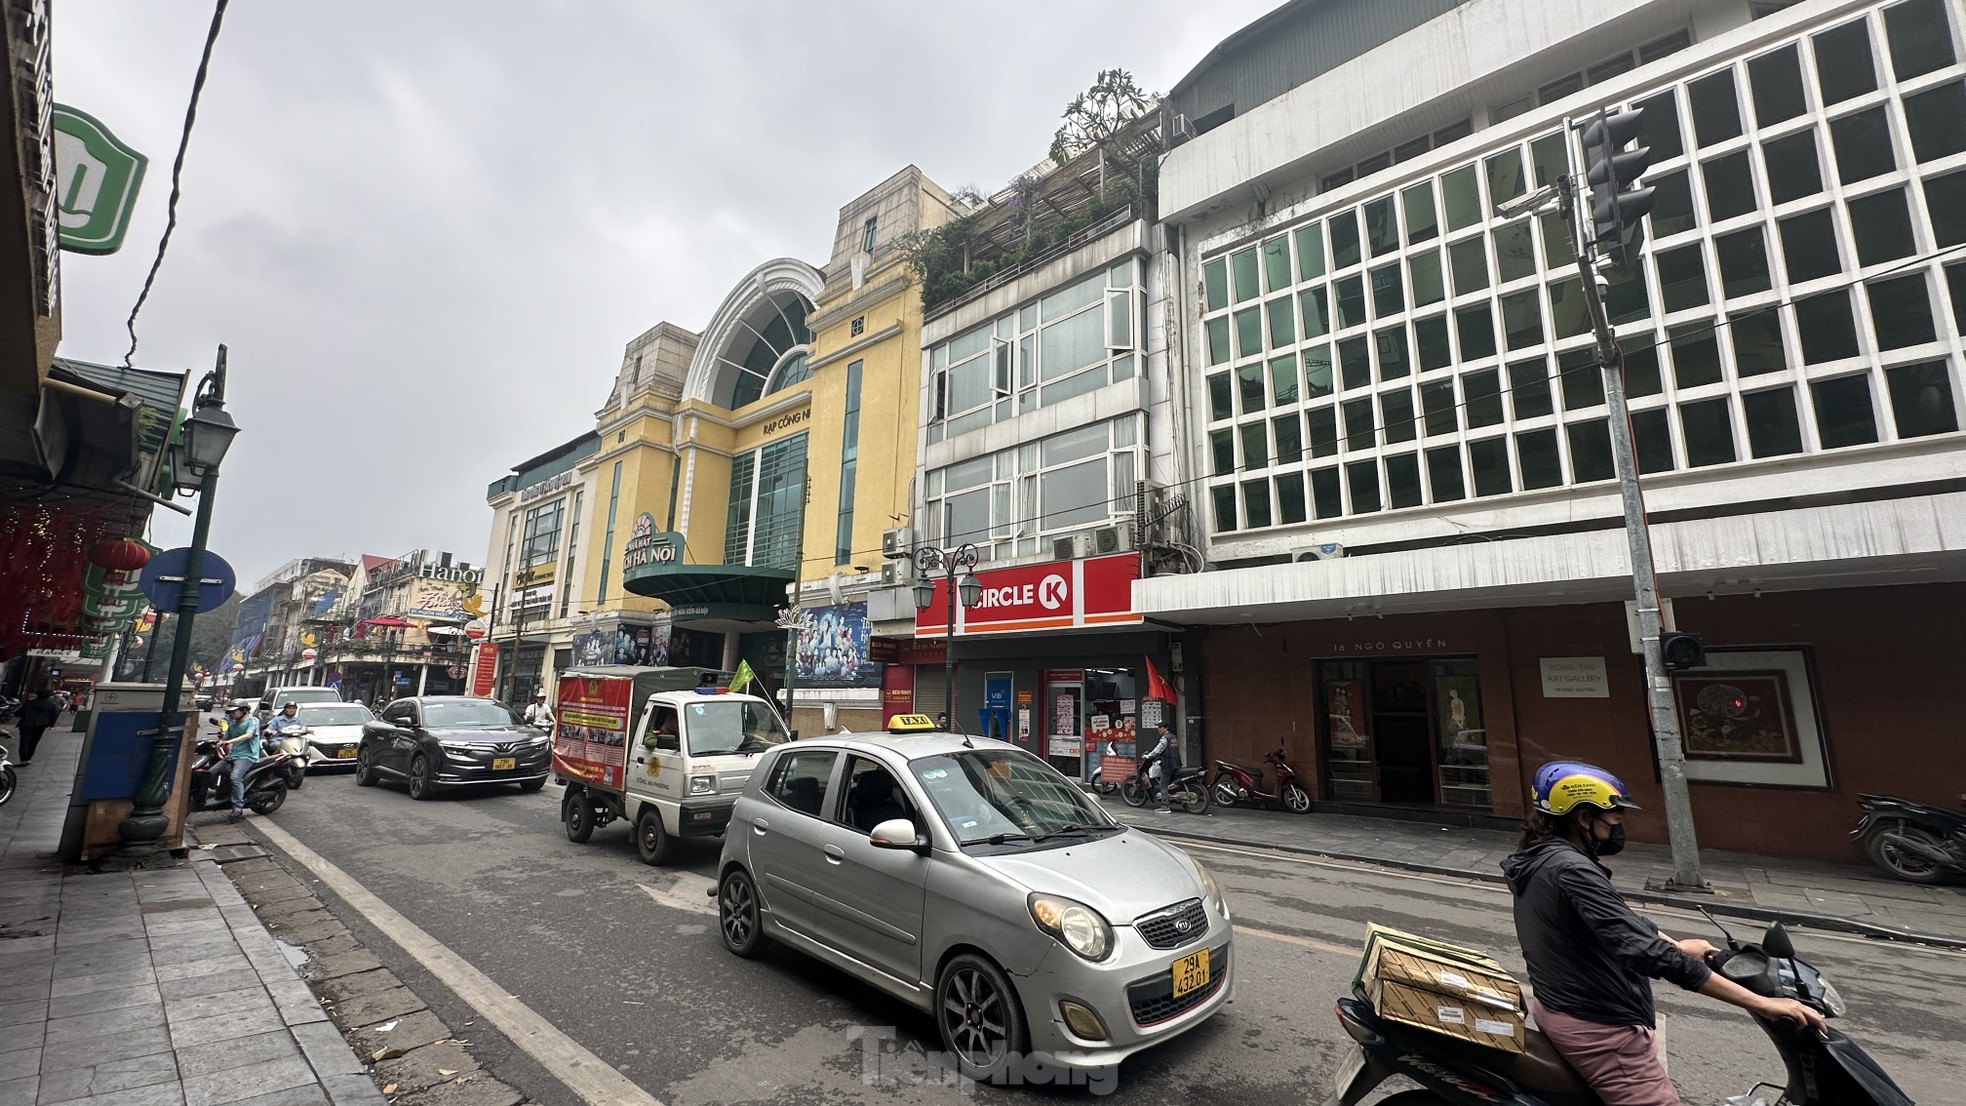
<point>1297,800</point>
<point>981,1021</point>
<point>737,915</point>
<point>577,814</point>
<point>530,786</point>
<point>652,843</point>
<point>267,799</point>
<point>421,785</point>
<point>364,769</point>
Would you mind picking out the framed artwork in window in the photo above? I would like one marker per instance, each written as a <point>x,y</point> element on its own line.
<point>1750,716</point>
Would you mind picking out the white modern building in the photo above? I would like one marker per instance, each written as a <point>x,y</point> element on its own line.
<point>1399,433</point>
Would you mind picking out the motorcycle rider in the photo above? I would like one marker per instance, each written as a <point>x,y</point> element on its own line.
<point>1166,753</point>
<point>287,719</point>
<point>240,750</point>
<point>1591,958</point>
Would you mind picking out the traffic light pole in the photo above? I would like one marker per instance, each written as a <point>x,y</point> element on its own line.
<point>1680,835</point>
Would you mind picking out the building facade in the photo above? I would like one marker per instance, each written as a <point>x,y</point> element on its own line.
<point>1400,434</point>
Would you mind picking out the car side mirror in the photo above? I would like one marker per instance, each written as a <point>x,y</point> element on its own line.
<point>898,833</point>
<point>1776,942</point>
<point>667,742</point>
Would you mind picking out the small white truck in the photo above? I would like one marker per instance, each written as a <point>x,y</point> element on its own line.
<point>666,748</point>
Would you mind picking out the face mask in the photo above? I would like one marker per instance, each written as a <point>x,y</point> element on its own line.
<point>1612,846</point>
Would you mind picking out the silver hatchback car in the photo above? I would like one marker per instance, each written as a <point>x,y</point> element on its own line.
<point>971,880</point>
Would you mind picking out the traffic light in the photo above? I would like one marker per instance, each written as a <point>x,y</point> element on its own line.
<point>1617,204</point>
<point>1682,651</point>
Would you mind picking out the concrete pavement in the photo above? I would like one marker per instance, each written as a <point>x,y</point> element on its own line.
<point>1828,896</point>
<point>146,988</point>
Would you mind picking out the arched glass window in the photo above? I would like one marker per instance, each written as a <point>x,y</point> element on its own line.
<point>789,372</point>
<point>779,332</point>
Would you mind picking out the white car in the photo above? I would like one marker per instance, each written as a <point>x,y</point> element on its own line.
<point>333,732</point>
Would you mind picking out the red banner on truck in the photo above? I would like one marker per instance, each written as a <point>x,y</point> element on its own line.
<point>590,732</point>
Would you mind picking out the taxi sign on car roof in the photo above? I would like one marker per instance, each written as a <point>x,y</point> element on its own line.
<point>910,723</point>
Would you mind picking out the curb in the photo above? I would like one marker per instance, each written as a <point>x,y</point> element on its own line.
<point>1730,909</point>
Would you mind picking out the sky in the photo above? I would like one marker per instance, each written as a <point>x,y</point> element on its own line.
<point>425,230</point>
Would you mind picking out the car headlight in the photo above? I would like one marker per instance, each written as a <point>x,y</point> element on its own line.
<point>1832,1001</point>
<point>703,785</point>
<point>541,739</point>
<point>1077,925</point>
<point>1215,898</point>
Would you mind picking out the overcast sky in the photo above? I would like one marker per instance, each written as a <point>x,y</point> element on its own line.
<point>425,230</point>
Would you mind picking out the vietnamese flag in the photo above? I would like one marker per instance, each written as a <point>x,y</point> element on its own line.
<point>1157,687</point>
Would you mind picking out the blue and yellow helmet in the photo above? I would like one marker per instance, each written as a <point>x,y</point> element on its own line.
<point>1563,785</point>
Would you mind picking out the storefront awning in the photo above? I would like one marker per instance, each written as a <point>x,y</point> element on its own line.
<point>712,593</point>
<point>388,620</point>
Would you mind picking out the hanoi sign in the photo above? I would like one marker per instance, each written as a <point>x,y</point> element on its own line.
<point>649,546</point>
<point>1056,595</point>
<point>98,177</point>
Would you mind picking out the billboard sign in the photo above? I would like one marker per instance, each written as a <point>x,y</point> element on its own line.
<point>834,647</point>
<point>590,734</point>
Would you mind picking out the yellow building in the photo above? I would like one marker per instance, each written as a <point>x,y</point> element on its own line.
<point>762,457</point>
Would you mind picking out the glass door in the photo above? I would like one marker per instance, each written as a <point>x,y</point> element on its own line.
<point>1462,753</point>
<point>1348,762</point>
<point>1064,737</point>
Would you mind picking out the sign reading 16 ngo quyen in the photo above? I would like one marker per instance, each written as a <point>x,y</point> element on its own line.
<point>98,180</point>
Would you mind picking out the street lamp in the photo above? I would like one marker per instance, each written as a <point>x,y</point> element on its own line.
<point>930,559</point>
<point>202,444</point>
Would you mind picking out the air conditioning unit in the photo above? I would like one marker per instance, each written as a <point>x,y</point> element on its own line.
<point>899,573</point>
<point>1117,538</point>
<point>897,542</point>
<point>1183,130</point>
<point>1071,547</point>
<point>1329,551</point>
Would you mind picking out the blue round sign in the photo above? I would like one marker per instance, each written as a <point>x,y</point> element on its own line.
<point>162,581</point>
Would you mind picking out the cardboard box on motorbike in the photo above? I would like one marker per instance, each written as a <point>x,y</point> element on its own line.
<point>1441,987</point>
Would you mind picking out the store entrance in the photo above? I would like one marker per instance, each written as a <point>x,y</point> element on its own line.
<point>1404,732</point>
<point>1064,740</point>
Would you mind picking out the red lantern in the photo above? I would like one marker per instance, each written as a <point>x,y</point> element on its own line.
<point>121,554</point>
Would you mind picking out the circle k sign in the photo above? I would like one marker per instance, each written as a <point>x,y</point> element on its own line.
<point>1053,595</point>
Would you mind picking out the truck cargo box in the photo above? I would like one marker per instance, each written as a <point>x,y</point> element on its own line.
<point>595,713</point>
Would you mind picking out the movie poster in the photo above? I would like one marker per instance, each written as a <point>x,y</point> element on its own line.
<point>833,647</point>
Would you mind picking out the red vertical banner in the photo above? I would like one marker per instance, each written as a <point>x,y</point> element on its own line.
<point>897,691</point>
<point>590,732</point>
<point>484,668</point>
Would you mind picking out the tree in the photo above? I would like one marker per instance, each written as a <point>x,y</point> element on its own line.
<point>1097,114</point>
<point>211,635</point>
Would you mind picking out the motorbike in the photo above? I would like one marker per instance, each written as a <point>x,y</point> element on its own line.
<point>293,742</point>
<point>1237,786</point>
<point>211,784</point>
<point>8,781</point>
<point>1916,842</point>
<point>1826,1069</point>
<point>1188,790</point>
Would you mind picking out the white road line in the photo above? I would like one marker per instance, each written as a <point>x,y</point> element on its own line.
<point>689,892</point>
<point>584,1073</point>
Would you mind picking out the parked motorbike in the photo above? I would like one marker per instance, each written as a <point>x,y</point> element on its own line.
<point>1913,841</point>
<point>1826,1069</point>
<point>211,784</point>
<point>8,781</point>
<point>1237,786</point>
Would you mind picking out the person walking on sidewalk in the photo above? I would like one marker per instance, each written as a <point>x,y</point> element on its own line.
<point>1591,958</point>
<point>240,749</point>
<point>41,712</point>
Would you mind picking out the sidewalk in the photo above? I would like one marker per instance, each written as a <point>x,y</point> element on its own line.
<point>1830,896</point>
<point>149,988</point>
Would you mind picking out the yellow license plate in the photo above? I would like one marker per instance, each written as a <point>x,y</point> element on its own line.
<point>344,754</point>
<point>502,764</point>
<point>1191,972</point>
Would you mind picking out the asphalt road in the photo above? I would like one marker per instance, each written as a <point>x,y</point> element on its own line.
<point>626,960</point>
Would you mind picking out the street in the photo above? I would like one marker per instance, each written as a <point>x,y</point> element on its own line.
<point>625,960</point>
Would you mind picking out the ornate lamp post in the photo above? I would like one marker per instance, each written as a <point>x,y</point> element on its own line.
<point>206,436</point>
<point>929,560</point>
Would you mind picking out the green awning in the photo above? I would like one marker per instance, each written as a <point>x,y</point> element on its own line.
<point>721,593</point>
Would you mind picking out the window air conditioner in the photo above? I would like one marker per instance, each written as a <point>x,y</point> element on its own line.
<point>1117,538</point>
<point>897,573</point>
<point>1071,547</point>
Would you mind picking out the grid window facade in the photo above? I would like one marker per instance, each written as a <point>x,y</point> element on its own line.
<point>767,505</point>
<point>1008,502</point>
<point>542,534</point>
<point>1414,349</point>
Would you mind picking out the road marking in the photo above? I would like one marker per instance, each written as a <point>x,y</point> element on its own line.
<point>1320,946</point>
<point>584,1073</point>
<point>690,892</point>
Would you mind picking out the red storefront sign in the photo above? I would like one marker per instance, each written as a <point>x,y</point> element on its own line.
<point>484,668</point>
<point>897,692</point>
<point>1056,595</point>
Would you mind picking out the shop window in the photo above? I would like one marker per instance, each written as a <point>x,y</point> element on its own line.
<point>1794,169</point>
<point>1222,449</point>
<point>1709,432</point>
<point>1427,284</point>
<point>1844,415</point>
<point>1490,461</point>
<point>1536,456</point>
<point>1355,362</point>
<point>1444,474</point>
<point>1388,291</point>
<point>1326,497</point>
<point>1695,355</point>
<point>1221,398</point>
<point>1529,389</point>
<point>1344,240</point>
<point>1921,399</point>
<point>1652,441</point>
<point>1826,329</point>
<point>1460,195</point>
<point>1659,127</point>
<point>1276,264</point>
<point>1243,265</point>
<point>1224,499</point>
<point>1322,426</point>
<point>1396,415</point>
<point>1359,428</point>
<point>1901,312</point>
<point>1583,379</point>
<point>1881,225</point>
<point>1310,251</point>
<point>1362,481</point>
<point>1417,204</point>
<point>1682,278</point>
<point>1256,503</point>
<point>1672,205</point>
<point>1844,65</point>
<point>1393,360</point>
<point>1775,78</point>
<point>1469,260</point>
<point>1317,371</point>
<point>1314,305</point>
<point>1863,145</point>
<point>1773,429</point>
<point>1937,121</point>
<point>1351,302</point>
<point>1430,337</point>
<point>1290,498</point>
<point>1481,397</point>
<point>1403,481</point>
<point>1290,439</point>
<point>1475,325</point>
<point>1642,369</point>
<point>1809,243</point>
<point>1716,108</point>
<point>1437,400</point>
<point>1282,313</point>
<point>1515,252</point>
<point>1920,39</point>
<point>1730,186</point>
<point>1743,258</point>
<point>1945,200</point>
<point>1757,338</point>
<point>1590,451</point>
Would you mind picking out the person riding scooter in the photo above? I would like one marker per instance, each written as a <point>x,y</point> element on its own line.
<point>1591,958</point>
<point>240,748</point>
<point>1166,754</point>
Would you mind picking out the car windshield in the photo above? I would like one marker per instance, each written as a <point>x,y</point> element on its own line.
<point>1008,793</point>
<point>732,726</point>
<point>310,695</point>
<point>334,714</point>
<point>457,713</point>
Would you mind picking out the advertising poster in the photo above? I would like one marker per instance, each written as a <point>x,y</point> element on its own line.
<point>834,643</point>
<point>590,739</point>
<point>484,668</point>
<point>441,600</point>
